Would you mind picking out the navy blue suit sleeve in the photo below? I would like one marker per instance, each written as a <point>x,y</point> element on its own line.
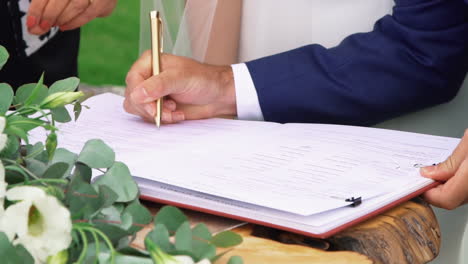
<point>415,58</point>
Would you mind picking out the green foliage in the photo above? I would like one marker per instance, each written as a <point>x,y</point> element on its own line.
<point>235,260</point>
<point>96,154</point>
<point>7,97</point>
<point>3,56</point>
<point>13,254</point>
<point>197,242</point>
<point>226,239</point>
<point>106,212</point>
<point>66,85</point>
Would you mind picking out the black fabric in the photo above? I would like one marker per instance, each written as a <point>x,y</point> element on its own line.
<point>58,58</point>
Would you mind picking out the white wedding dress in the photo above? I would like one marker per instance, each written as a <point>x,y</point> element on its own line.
<point>273,26</point>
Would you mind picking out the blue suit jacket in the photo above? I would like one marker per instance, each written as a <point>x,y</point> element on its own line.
<point>415,58</point>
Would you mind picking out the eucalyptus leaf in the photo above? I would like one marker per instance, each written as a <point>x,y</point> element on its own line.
<point>203,250</point>
<point>235,260</point>
<point>110,213</point>
<point>63,155</point>
<point>107,196</point>
<point>141,216</point>
<point>183,237</point>
<point>66,85</point>
<point>56,171</point>
<point>34,150</point>
<point>82,200</point>
<point>17,169</point>
<point>3,56</point>
<point>83,171</point>
<point>114,232</point>
<point>171,217</point>
<point>127,221</point>
<point>7,97</point>
<point>25,91</point>
<point>61,115</point>
<point>160,236</point>
<point>35,166</point>
<point>226,239</point>
<point>118,178</point>
<point>201,231</point>
<point>96,154</point>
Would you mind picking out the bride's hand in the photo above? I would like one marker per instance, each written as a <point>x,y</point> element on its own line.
<point>67,14</point>
<point>193,90</point>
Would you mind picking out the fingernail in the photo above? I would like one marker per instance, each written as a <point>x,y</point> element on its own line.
<point>150,110</point>
<point>45,25</point>
<point>31,21</point>
<point>428,170</point>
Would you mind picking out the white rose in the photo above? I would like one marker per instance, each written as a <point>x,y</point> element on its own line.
<point>37,221</point>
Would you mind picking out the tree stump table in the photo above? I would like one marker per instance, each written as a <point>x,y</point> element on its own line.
<point>409,233</point>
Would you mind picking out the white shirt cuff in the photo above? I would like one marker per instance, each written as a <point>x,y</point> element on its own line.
<point>248,106</point>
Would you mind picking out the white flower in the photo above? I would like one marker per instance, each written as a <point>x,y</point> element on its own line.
<point>60,99</point>
<point>3,137</point>
<point>37,221</point>
<point>162,257</point>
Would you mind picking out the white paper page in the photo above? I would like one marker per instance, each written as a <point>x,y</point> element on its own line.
<point>267,164</point>
<point>128,135</point>
<point>305,166</point>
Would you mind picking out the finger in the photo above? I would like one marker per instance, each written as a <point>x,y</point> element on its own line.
<point>169,105</point>
<point>453,193</point>
<point>156,87</point>
<point>169,117</point>
<point>140,70</point>
<point>51,12</point>
<point>447,169</point>
<point>90,13</point>
<point>74,9</point>
<point>146,111</point>
<point>35,13</point>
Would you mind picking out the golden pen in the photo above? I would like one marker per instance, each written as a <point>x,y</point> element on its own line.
<point>156,52</point>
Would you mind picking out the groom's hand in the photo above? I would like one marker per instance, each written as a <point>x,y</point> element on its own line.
<point>67,14</point>
<point>453,172</point>
<point>193,90</point>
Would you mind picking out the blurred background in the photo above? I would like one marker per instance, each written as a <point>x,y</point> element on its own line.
<point>109,46</point>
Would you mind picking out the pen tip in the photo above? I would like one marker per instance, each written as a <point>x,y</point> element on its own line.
<point>158,122</point>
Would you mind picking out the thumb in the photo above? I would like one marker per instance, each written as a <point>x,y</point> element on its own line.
<point>440,172</point>
<point>443,171</point>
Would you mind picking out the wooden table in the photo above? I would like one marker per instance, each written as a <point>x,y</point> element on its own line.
<point>408,233</point>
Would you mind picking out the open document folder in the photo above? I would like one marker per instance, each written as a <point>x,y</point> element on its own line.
<point>305,178</point>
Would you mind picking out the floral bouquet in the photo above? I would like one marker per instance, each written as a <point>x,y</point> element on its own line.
<point>51,211</point>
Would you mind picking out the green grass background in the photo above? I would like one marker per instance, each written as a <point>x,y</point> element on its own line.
<point>109,46</point>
